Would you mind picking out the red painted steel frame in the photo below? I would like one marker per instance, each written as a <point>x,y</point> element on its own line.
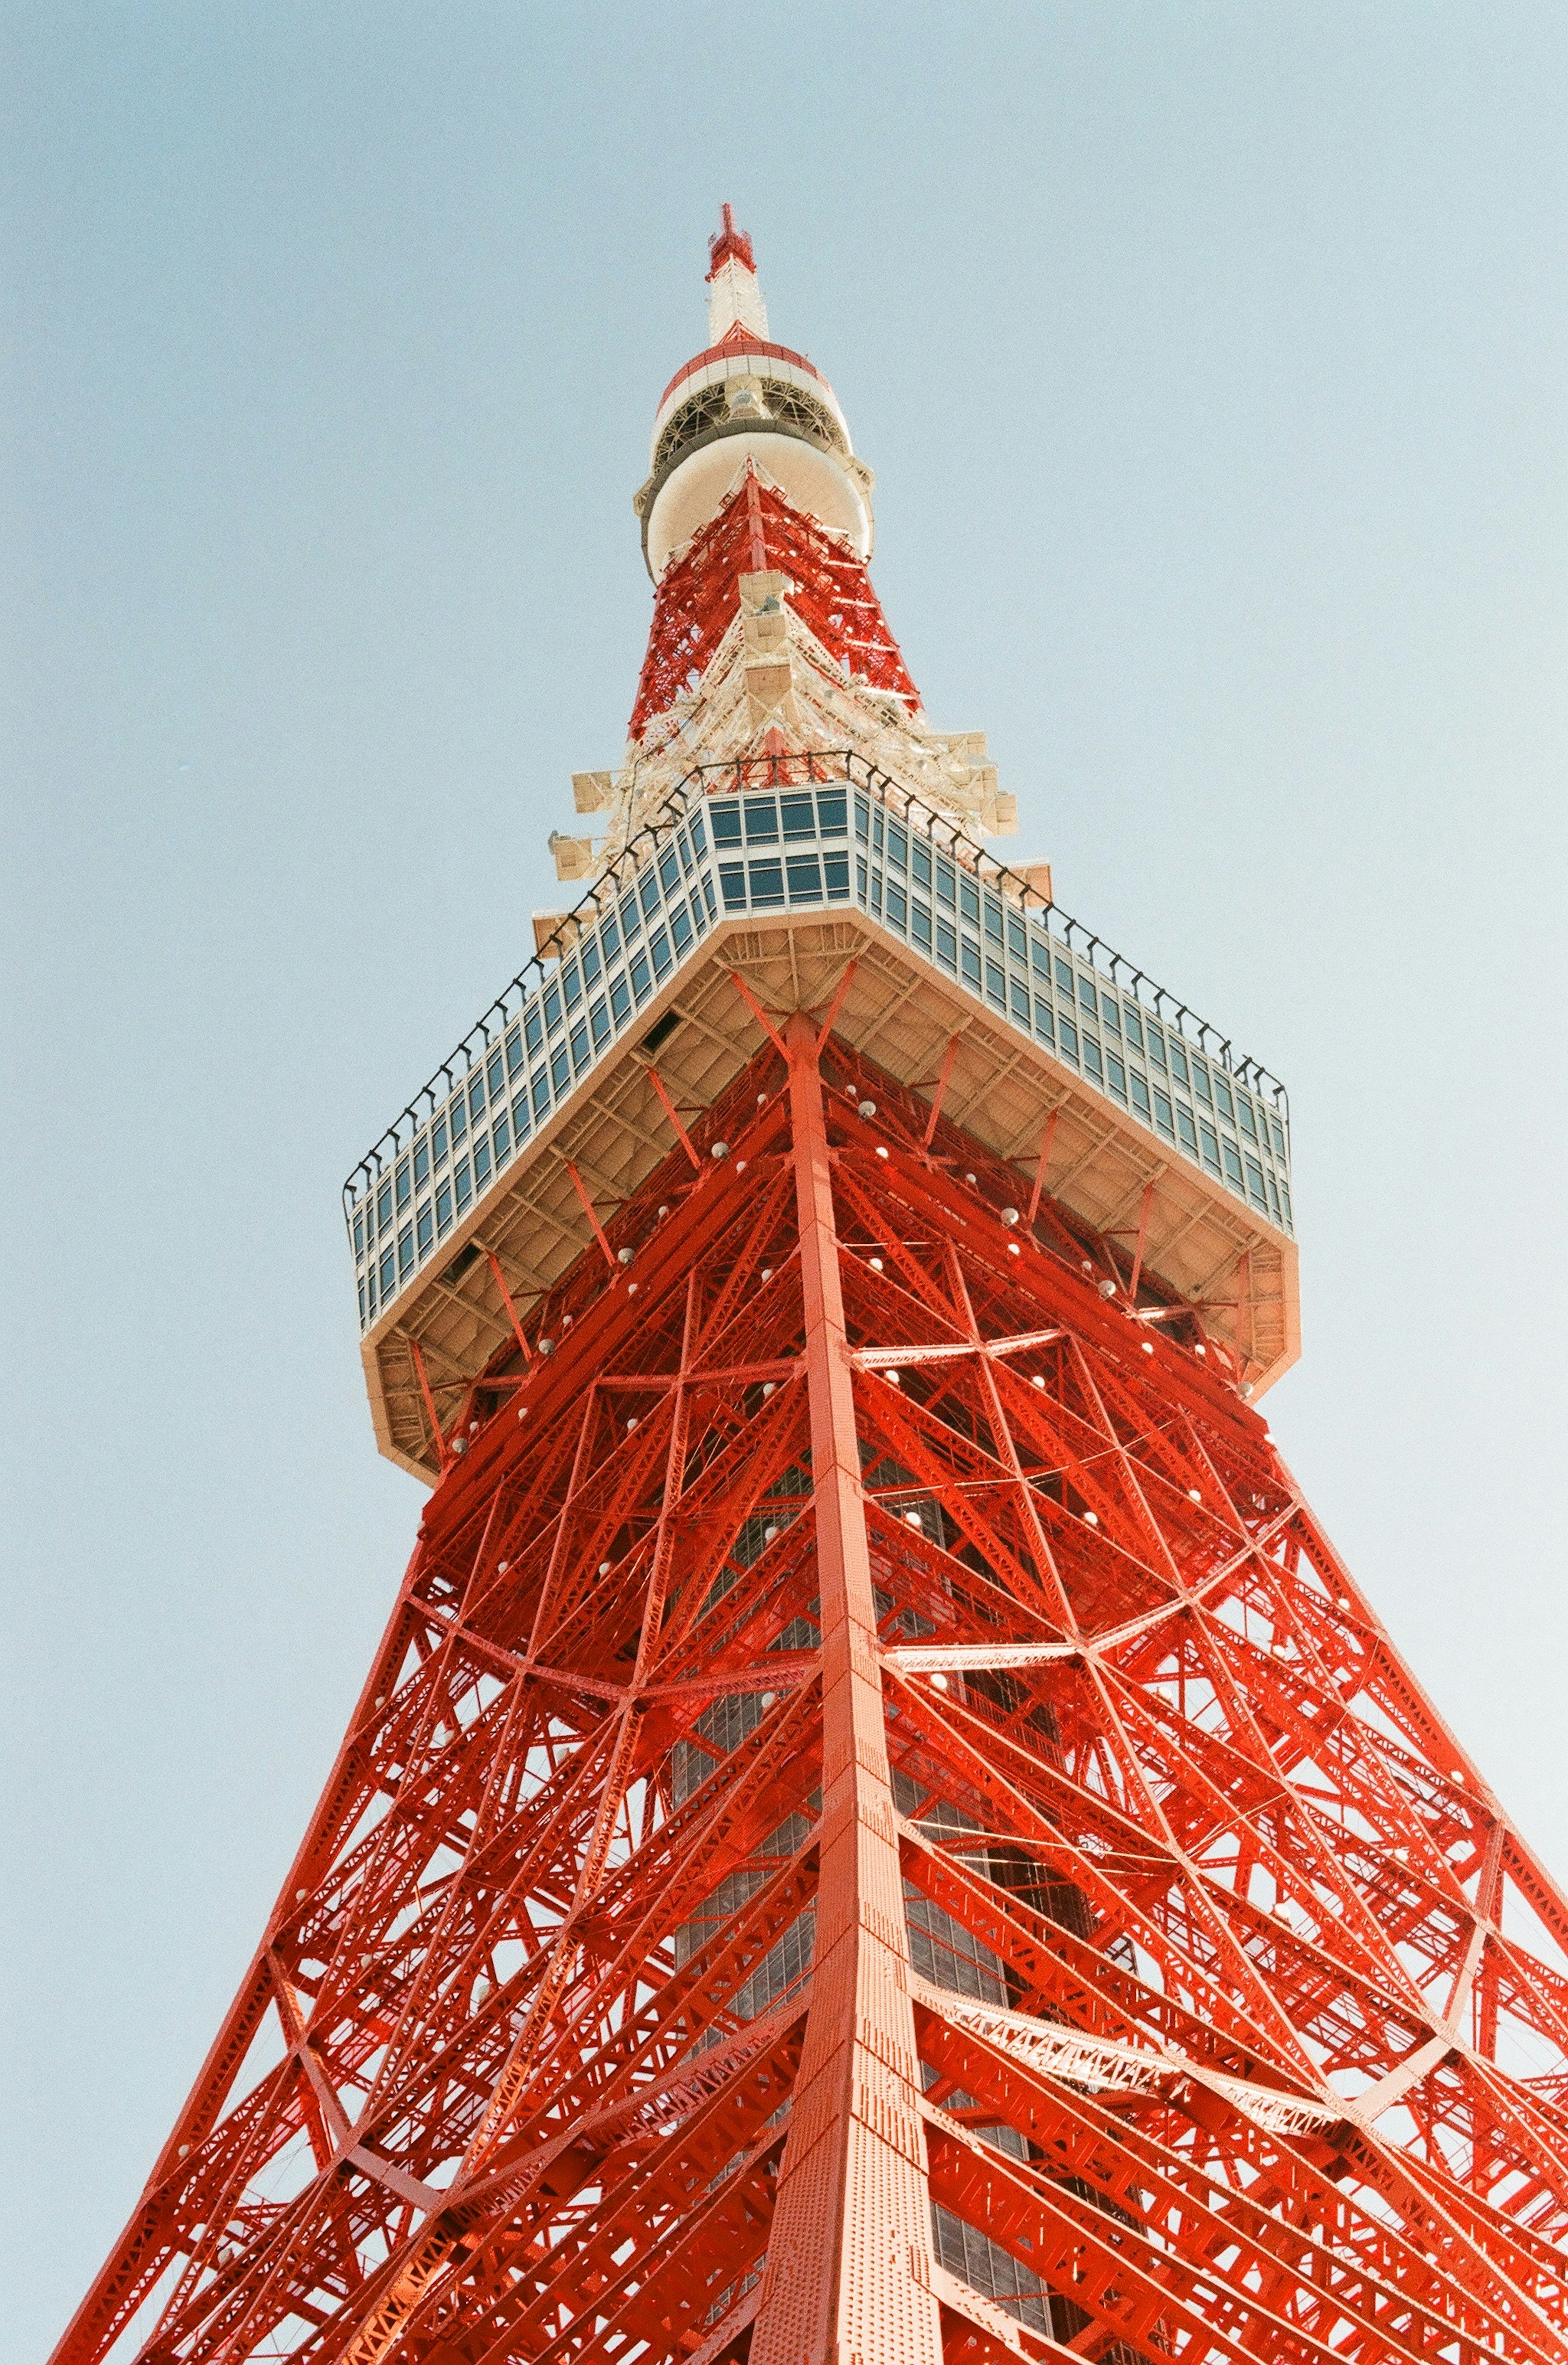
<point>699,598</point>
<point>879,1829</point>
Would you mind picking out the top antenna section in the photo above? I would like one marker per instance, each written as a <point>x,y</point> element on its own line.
<point>735,308</point>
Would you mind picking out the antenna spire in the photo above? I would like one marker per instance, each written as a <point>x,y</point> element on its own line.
<point>735,300</point>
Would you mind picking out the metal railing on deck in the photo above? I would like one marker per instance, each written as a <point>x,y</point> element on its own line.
<point>775,833</point>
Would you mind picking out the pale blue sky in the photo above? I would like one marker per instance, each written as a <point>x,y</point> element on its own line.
<point>1211,361</point>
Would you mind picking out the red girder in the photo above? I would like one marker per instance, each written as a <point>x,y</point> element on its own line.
<point>832,1684</point>
<point>698,595</point>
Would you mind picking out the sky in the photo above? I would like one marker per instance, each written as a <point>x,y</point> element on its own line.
<point>1211,361</point>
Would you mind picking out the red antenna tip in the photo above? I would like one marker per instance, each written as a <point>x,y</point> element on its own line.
<point>728,240</point>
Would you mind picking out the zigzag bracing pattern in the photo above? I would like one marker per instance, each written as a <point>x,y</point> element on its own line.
<point>698,599</point>
<point>1219,2021</point>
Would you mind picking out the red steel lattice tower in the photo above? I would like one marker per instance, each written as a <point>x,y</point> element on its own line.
<point>880,1829</point>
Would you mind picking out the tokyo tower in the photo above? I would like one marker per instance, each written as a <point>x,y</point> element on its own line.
<point>880,1829</point>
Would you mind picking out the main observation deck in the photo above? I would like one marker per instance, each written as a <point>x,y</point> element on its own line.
<point>968,981</point>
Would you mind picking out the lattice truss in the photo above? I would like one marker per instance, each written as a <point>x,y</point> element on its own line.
<point>1238,2029</point>
<point>756,529</point>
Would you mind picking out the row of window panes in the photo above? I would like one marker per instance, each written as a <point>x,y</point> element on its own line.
<point>792,815</point>
<point>1102,1055</point>
<point>548,1046</point>
<point>544,1052</point>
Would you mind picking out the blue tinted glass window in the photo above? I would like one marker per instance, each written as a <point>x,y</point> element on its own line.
<point>1044,1027</point>
<point>405,1252</point>
<point>1111,1011</point>
<point>520,1125</point>
<point>919,863</point>
<point>767,884</point>
<point>384,1206</point>
<point>464,1183</point>
<point>610,937</point>
<point>388,1276</point>
<point>1156,1045</point>
<point>862,819</point>
<point>1178,1063</point>
<point>805,875</point>
<point>1088,997</point>
<point>425,1229</point>
<point>540,1095</point>
<point>1162,1116</point>
<point>459,1119</point>
<point>947,884</point>
<point>898,846</point>
<point>731,885</point>
<point>663,959</point>
<point>832,813</point>
<point>877,893</point>
<point>649,893</point>
<point>1017,941</point>
<point>947,942</point>
<point>1067,1035</point>
<point>1018,998</point>
<point>560,1070</point>
<point>591,962</point>
<point>897,910</point>
<point>971,964</point>
<point>534,1030</point>
<point>726,821</point>
<point>476,1097</point>
<point>1200,1083</point>
<point>514,1052</point>
<point>642,982</point>
<point>495,1074</point>
<point>422,1160</point>
<point>993,919</point>
<point>1223,1099</point>
<point>1064,977</point>
<point>403,1186</point>
<point>1186,1128</point>
<point>359,1236</point>
<point>362,1297</point>
<point>835,877</point>
<point>1210,1146</point>
<point>799,815</point>
<point>968,901</point>
<point>579,1041</point>
<point>1115,1074</point>
<point>920,926</point>
<point>481,1162</point>
<point>995,984</point>
<point>631,919</point>
<point>1135,1030</point>
<point>1277,1129</point>
<point>1244,1111</point>
<point>572,983</point>
<point>443,1207</point>
<point>1092,1057</point>
<point>438,1138</point>
<point>669,870</point>
<point>680,927</point>
<point>552,1007</point>
<point>698,837</point>
<point>619,1000</point>
<point>598,1018</point>
<point>1140,1094</point>
<point>761,820</point>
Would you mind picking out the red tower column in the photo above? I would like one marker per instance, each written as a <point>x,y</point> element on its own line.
<point>851,2228</point>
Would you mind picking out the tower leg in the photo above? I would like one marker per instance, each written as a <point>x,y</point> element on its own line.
<point>847,2276</point>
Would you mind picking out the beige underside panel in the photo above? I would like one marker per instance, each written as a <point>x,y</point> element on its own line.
<point>1199,1238</point>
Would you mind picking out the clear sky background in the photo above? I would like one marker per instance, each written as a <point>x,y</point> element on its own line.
<point>1211,361</point>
